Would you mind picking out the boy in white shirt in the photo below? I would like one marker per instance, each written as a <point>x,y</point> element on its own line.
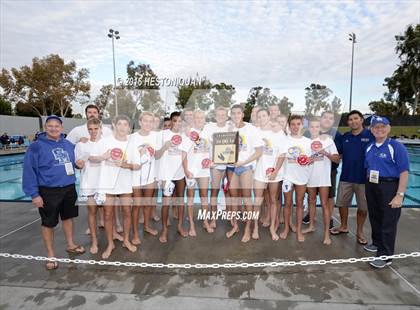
<point>118,160</point>
<point>298,166</point>
<point>196,164</point>
<point>324,152</point>
<point>89,176</point>
<point>240,174</point>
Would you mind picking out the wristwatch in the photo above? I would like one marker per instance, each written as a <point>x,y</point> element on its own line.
<point>401,194</point>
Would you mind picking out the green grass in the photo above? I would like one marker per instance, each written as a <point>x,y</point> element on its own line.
<point>395,130</point>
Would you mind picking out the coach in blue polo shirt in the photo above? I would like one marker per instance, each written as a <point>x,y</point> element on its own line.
<point>352,146</point>
<point>387,174</point>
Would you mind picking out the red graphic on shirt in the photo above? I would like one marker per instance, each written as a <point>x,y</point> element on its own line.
<point>303,160</point>
<point>205,163</point>
<point>176,139</point>
<point>194,136</point>
<point>316,146</point>
<point>151,150</point>
<point>116,153</point>
<point>269,171</point>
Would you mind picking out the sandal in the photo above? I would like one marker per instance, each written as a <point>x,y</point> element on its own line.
<point>335,231</point>
<point>361,240</point>
<point>49,263</point>
<point>76,250</point>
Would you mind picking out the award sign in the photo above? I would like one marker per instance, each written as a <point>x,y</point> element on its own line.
<point>225,148</point>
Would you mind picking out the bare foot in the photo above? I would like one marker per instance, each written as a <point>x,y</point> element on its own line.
<point>231,232</point>
<point>93,248</point>
<point>274,235</point>
<point>136,241</point>
<point>192,232</point>
<point>208,227</point>
<point>300,237</point>
<point>127,244</point>
<point>117,236</point>
<point>182,232</point>
<point>281,219</point>
<point>327,241</point>
<point>164,236</point>
<point>283,234</point>
<point>308,230</point>
<point>101,224</point>
<point>87,232</point>
<point>255,234</point>
<point>108,251</point>
<point>292,227</point>
<point>151,231</point>
<point>119,229</point>
<point>246,237</point>
<point>266,222</point>
<point>213,224</point>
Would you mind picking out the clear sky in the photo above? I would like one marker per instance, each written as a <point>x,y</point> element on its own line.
<point>284,45</point>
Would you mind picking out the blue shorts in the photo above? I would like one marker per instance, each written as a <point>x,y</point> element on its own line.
<point>239,170</point>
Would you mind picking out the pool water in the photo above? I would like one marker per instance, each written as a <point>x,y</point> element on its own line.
<point>11,178</point>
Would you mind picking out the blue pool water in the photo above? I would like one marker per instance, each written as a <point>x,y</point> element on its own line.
<point>11,178</point>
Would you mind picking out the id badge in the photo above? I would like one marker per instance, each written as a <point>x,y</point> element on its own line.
<point>374,176</point>
<point>69,168</point>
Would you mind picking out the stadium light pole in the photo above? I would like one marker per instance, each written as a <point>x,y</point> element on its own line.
<point>114,35</point>
<point>352,38</point>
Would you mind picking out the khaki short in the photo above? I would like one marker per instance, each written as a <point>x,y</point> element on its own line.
<point>345,195</point>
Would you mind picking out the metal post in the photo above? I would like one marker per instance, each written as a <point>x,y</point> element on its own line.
<point>353,39</point>
<point>115,79</point>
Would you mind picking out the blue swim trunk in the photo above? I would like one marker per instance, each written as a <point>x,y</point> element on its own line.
<point>239,170</point>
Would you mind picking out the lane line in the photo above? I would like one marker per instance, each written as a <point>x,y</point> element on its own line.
<point>22,227</point>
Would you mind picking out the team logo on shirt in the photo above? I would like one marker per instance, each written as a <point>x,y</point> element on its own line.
<point>194,136</point>
<point>117,153</point>
<point>302,160</point>
<point>176,139</point>
<point>242,142</point>
<point>205,163</point>
<point>316,146</point>
<point>382,155</point>
<point>61,155</point>
<point>295,151</point>
<point>268,147</point>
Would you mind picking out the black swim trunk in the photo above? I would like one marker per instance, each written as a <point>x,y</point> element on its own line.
<point>333,188</point>
<point>58,201</point>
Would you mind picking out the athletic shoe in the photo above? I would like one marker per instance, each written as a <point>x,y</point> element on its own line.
<point>370,248</point>
<point>306,219</point>
<point>379,263</point>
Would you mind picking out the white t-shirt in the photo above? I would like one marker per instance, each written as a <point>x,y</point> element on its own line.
<point>81,131</point>
<point>320,175</point>
<point>115,180</point>
<point>274,146</point>
<point>249,140</point>
<point>90,174</point>
<point>293,171</point>
<point>197,147</point>
<point>210,129</point>
<point>151,143</point>
<point>170,164</point>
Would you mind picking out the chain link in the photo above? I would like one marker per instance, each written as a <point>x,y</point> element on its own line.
<point>351,260</point>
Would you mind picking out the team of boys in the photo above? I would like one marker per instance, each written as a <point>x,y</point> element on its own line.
<point>123,172</point>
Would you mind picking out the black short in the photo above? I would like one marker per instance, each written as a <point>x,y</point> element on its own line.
<point>331,193</point>
<point>58,201</point>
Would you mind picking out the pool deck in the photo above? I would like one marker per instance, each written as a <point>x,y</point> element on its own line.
<point>27,285</point>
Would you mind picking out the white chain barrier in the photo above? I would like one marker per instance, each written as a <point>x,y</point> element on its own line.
<point>210,266</point>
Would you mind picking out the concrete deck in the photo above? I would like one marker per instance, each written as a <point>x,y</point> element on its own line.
<point>27,285</point>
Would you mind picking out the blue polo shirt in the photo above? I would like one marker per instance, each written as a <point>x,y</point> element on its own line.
<point>352,148</point>
<point>390,159</point>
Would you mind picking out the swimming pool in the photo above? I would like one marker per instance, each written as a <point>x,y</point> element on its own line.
<point>11,178</point>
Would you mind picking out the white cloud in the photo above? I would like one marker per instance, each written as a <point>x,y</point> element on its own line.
<point>283,45</point>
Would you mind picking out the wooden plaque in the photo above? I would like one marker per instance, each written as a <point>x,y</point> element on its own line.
<point>225,147</point>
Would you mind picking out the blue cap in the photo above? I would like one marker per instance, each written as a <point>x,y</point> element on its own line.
<point>50,117</point>
<point>378,120</point>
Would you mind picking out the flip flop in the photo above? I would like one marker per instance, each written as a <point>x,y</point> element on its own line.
<point>54,265</point>
<point>76,250</point>
<point>361,240</point>
<point>335,232</point>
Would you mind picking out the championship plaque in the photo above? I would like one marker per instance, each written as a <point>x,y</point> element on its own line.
<point>225,147</point>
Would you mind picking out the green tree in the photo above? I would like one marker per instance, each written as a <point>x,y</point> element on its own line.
<point>382,107</point>
<point>5,107</point>
<point>251,101</point>
<point>194,95</point>
<point>126,105</point>
<point>335,106</point>
<point>285,106</point>
<point>221,95</point>
<point>48,86</point>
<point>316,99</point>
<point>103,99</point>
<point>404,84</point>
